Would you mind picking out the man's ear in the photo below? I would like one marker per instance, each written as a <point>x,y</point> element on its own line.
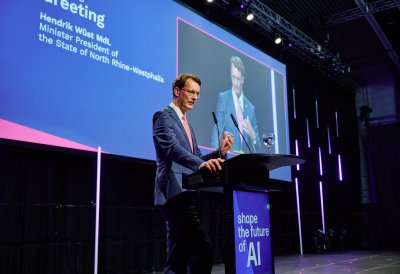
<point>176,91</point>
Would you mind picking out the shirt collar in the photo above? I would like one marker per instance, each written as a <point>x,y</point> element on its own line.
<point>235,98</point>
<point>177,110</point>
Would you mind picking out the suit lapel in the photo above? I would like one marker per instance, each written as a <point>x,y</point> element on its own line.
<point>184,136</point>
<point>231,109</point>
<point>231,106</point>
<point>245,107</point>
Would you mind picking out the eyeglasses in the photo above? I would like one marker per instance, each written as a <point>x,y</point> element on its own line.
<point>192,93</point>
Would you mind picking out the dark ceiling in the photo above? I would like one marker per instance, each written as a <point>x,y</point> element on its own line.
<point>365,34</point>
<point>360,39</point>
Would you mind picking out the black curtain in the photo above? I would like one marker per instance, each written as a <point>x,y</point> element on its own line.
<point>383,148</point>
<point>46,211</point>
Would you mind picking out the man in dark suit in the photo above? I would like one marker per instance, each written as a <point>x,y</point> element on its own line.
<point>188,248</point>
<point>233,101</point>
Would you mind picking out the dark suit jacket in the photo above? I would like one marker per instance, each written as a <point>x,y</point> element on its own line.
<point>225,107</point>
<point>173,154</point>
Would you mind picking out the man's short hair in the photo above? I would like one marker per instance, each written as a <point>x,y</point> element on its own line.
<point>180,81</point>
<point>237,63</point>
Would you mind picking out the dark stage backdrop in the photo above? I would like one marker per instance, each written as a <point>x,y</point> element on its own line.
<point>323,122</point>
<point>47,212</point>
<point>383,148</point>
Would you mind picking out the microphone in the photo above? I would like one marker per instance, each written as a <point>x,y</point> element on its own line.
<point>219,139</point>
<point>236,125</point>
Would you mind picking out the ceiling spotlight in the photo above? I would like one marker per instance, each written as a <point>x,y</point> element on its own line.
<point>278,39</point>
<point>210,1</point>
<point>249,16</point>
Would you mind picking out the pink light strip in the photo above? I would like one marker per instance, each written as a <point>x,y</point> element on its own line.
<point>18,132</point>
<point>321,194</point>
<point>298,215</point>
<point>340,168</point>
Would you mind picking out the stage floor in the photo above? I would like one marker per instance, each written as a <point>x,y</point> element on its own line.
<point>368,262</point>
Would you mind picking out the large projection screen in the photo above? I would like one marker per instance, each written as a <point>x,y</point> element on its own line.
<point>87,73</point>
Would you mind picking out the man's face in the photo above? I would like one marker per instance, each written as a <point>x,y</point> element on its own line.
<point>186,96</point>
<point>237,80</point>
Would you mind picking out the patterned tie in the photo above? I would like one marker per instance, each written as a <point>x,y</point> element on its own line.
<point>239,117</point>
<point>187,129</point>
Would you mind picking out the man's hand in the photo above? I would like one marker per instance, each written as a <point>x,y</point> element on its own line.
<point>226,143</point>
<point>213,165</point>
<point>248,128</point>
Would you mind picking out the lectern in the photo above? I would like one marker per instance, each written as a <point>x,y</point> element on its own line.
<point>244,182</point>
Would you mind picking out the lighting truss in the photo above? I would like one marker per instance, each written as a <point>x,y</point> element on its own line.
<point>269,22</point>
<point>356,13</point>
<point>267,19</point>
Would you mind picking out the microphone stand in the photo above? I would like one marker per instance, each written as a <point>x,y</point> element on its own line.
<point>219,137</point>
<point>236,125</point>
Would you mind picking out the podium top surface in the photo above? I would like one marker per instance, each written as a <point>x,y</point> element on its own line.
<point>268,161</point>
<point>244,170</point>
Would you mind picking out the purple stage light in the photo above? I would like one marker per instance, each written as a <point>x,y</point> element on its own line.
<point>320,161</point>
<point>308,134</point>
<point>294,103</point>
<point>298,215</point>
<point>321,194</point>
<point>340,168</point>
<point>329,141</point>
<point>316,112</point>
<point>297,153</point>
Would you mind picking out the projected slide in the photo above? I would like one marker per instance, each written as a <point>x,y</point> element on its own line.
<point>263,88</point>
<point>88,73</point>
